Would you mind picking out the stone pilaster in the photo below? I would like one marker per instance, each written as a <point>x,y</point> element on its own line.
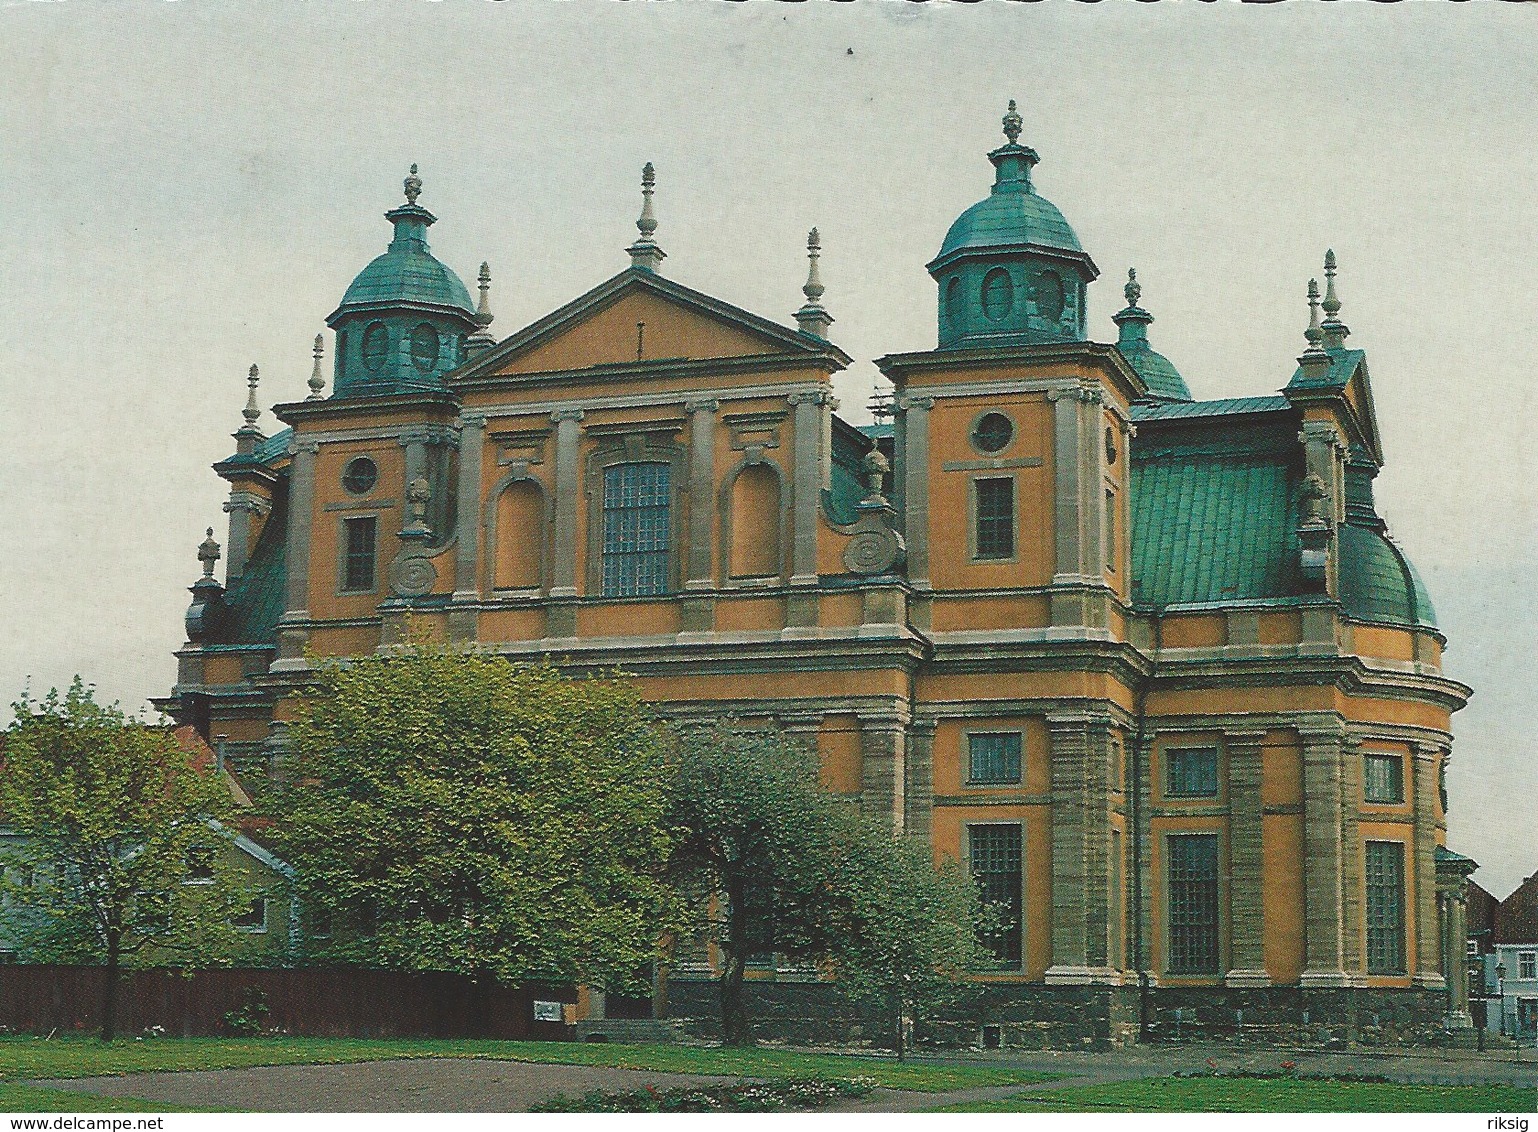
<point>699,572</point>
<point>1322,927</point>
<point>1353,880</point>
<point>467,543</point>
<point>1246,883</point>
<point>563,567</point>
<point>415,444</point>
<point>243,508</point>
<point>1067,485</point>
<point>914,464</point>
<point>1452,904</point>
<point>293,628</point>
<point>1081,925</point>
<point>919,790</point>
<point>1324,455</point>
<point>806,483</point>
<point>883,769</point>
<point>1426,967</point>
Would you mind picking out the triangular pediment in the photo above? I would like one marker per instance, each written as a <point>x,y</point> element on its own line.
<point>1358,394</point>
<point>640,316</point>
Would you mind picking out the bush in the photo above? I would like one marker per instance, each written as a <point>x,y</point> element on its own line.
<point>746,1096</point>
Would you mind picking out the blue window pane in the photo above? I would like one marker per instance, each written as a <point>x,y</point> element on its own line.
<point>1193,904</point>
<point>998,868</point>
<point>1192,772</point>
<point>994,758</point>
<point>636,529</point>
<point>1385,908</point>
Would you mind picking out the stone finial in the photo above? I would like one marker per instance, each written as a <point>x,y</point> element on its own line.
<point>208,553</point>
<point>1133,290</point>
<point>1012,124</point>
<point>483,315</point>
<point>875,466</point>
<point>413,185</point>
<point>317,380</point>
<point>813,318</point>
<point>252,410</point>
<point>1334,330</point>
<point>1313,333</point>
<point>644,253</point>
<point>418,492</point>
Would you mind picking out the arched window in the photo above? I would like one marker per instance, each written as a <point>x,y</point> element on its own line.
<point>637,529</point>
<point>755,523</point>
<point>953,303</point>
<point>520,537</point>
<point>376,346</point>
<point>998,294</point>
<point>1049,295</point>
<point>424,347</point>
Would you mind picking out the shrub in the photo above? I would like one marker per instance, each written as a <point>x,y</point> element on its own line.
<point>745,1096</point>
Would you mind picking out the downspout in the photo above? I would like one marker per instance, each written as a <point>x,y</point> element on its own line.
<point>1140,714</point>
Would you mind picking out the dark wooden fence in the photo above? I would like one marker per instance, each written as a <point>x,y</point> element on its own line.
<point>321,1002</point>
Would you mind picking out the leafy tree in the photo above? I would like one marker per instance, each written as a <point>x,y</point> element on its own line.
<point>915,937</point>
<point>447,810</point>
<point>765,855</point>
<point>109,819</point>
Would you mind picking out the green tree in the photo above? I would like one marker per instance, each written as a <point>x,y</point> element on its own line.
<point>915,937</point>
<point>447,810</point>
<point>765,856</point>
<point>109,820</point>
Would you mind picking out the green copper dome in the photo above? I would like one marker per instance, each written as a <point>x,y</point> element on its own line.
<point>1013,215</point>
<point>411,275</point>
<point>1377,581</point>
<point>1158,372</point>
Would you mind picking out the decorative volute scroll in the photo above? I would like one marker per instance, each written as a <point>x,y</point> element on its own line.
<point>876,547</point>
<point>413,574</point>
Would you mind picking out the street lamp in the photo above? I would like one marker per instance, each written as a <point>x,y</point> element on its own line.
<point>1500,992</point>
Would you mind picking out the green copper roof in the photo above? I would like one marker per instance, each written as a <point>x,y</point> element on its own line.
<point>256,599</point>
<point>1213,517</point>
<point>1377,581</point>
<point>1233,406</point>
<point>1343,364</point>
<point>848,488</point>
<point>1158,372</point>
<point>1008,219</point>
<point>407,273</point>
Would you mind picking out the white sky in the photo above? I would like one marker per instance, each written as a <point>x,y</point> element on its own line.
<point>189,187</point>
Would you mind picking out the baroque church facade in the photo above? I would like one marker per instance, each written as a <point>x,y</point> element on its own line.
<point>1149,667</point>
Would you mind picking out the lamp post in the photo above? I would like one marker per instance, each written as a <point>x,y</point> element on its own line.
<point>1500,992</point>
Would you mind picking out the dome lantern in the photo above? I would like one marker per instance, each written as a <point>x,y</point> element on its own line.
<point>1011,270</point>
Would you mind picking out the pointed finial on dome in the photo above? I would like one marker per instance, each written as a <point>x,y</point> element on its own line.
<point>1132,321</point>
<point>813,318</point>
<point>252,410</point>
<point>317,381</point>
<point>482,338</point>
<point>1012,124</point>
<point>208,553</point>
<point>644,253</point>
<point>1133,290</point>
<point>413,185</point>
<point>1334,331</point>
<point>1313,334</point>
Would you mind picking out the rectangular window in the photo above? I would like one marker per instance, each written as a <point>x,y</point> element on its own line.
<point>997,868</point>
<point>1191,772</point>
<point>995,524</point>
<point>1193,904</point>
<point>1382,778</point>
<point>636,529</point>
<point>1385,908</point>
<point>358,563</point>
<point>1527,964</point>
<point>253,919</point>
<point>200,865</point>
<point>1110,530</point>
<point>993,758</point>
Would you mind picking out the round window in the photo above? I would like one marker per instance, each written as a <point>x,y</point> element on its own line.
<point>953,303</point>
<point>1049,296</point>
<point>376,345</point>
<point>360,476</point>
<point>998,294</point>
<point>993,432</point>
<point>424,347</point>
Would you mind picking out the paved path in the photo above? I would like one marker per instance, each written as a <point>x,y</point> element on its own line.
<point>415,1085</point>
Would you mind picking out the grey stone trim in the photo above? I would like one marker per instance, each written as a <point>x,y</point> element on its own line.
<point>991,799</point>
<point>518,471</point>
<point>914,461</point>
<point>1067,489</point>
<point>362,505</point>
<point>806,482</point>
<point>1352,862</point>
<point>702,453</point>
<point>1323,927</point>
<point>995,463</point>
<point>563,579</point>
<point>1246,919</point>
<point>242,507</point>
<point>883,769</point>
<point>678,397</point>
<point>1427,965</point>
<point>918,790</point>
<point>1080,755</point>
<point>292,634</point>
<point>472,446</point>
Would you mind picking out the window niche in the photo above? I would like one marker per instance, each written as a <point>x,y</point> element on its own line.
<point>754,510</point>
<point>635,482</point>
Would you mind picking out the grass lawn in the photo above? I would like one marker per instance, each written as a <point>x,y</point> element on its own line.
<point>1228,1094</point>
<point>24,1098</point>
<point>26,1057</point>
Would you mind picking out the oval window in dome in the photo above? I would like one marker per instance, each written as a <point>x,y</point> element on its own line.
<point>360,475</point>
<point>998,294</point>
<point>424,347</point>
<point>953,302</point>
<point>376,345</point>
<point>1049,296</point>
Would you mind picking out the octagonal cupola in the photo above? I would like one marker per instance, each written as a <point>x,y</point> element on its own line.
<point>403,322</point>
<point>1011,270</point>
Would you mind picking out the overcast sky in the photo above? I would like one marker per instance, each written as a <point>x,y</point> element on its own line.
<point>189,187</point>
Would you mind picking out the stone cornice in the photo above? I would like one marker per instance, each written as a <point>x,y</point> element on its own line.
<point>651,369</point>
<point>440,403</point>
<point>897,367</point>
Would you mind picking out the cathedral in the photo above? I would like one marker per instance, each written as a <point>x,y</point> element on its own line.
<point>1150,668</point>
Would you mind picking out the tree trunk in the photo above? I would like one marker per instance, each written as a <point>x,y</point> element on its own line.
<point>109,1001</point>
<point>735,1030</point>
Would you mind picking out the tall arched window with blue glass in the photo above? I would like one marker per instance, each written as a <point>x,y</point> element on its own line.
<point>637,529</point>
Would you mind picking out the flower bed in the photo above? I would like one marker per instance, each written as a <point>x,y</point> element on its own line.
<point>746,1096</point>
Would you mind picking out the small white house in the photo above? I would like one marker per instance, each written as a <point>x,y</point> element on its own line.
<point>1511,989</point>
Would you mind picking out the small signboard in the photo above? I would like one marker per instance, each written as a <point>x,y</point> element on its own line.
<point>547,1011</point>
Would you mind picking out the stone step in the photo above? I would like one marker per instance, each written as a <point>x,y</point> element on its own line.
<point>625,1030</point>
